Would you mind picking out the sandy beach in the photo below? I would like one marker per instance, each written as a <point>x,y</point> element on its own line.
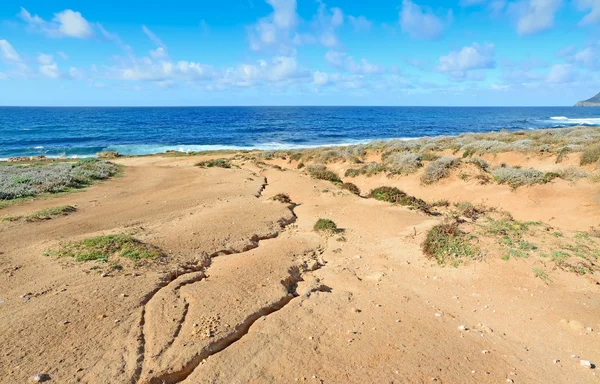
<point>233,286</point>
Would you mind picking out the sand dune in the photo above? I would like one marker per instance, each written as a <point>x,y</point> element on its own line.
<point>248,292</point>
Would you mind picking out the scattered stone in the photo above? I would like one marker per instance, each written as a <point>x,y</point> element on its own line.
<point>355,310</point>
<point>104,275</point>
<point>590,329</point>
<point>312,265</point>
<point>438,315</point>
<point>378,305</point>
<point>586,363</point>
<point>556,361</point>
<point>510,381</point>
<point>574,357</point>
<point>117,321</point>
<point>463,328</point>
<point>65,322</point>
<point>398,320</point>
<point>40,377</point>
<point>485,351</point>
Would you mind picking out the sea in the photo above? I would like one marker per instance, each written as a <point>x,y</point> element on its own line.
<point>82,132</point>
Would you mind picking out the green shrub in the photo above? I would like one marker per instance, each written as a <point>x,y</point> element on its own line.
<point>102,248</point>
<point>321,172</point>
<point>446,242</point>
<point>368,170</point>
<point>590,155</point>
<point>325,225</point>
<point>283,198</point>
<point>46,214</point>
<point>395,196</point>
<point>479,163</point>
<point>214,163</point>
<point>516,177</point>
<point>352,188</point>
<point>439,169</point>
<point>404,163</point>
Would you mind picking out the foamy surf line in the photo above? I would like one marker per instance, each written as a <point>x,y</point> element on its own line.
<point>150,149</point>
<point>576,120</point>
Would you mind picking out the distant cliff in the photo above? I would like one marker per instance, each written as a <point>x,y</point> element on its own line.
<point>593,102</point>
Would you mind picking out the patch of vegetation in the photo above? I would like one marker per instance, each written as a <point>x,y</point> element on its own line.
<point>28,181</point>
<point>445,243</point>
<point>438,169</point>
<point>541,275</point>
<point>468,210</point>
<point>352,188</point>
<point>300,166</point>
<point>369,169</point>
<point>479,163</point>
<point>321,172</point>
<point>403,163</point>
<point>102,248</point>
<point>395,196</point>
<point>215,163</point>
<point>516,177</point>
<point>44,214</point>
<point>325,225</point>
<point>283,198</point>
<point>590,155</point>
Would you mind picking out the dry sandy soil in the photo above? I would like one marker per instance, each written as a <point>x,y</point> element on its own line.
<point>248,292</point>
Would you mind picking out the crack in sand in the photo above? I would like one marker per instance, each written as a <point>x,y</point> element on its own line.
<point>242,329</point>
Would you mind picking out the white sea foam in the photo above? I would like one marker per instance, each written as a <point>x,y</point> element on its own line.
<point>576,120</point>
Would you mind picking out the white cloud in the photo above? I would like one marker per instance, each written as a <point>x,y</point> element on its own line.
<point>474,57</point>
<point>360,23</point>
<point>561,73</point>
<point>594,11</point>
<point>420,23</point>
<point>158,42</point>
<point>276,27</point>
<point>62,55</point>
<point>67,23</point>
<point>48,68</point>
<point>9,53</point>
<point>534,15</point>
<point>469,3</point>
<point>337,17</point>
<point>320,78</point>
<point>342,61</point>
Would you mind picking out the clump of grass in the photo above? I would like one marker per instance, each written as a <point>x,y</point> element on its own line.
<point>590,155</point>
<point>28,181</point>
<point>44,214</point>
<point>468,210</point>
<point>321,172</point>
<point>572,173</point>
<point>445,243</point>
<point>102,248</point>
<point>541,275</point>
<point>214,163</point>
<point>326,226</point>
<point>479,163</point>
<point>395,196</point>
<point>283,198</point>
<point>438,169</point>
<point>352,188</point>
<point>300,166</point>
<point>369,169</point>
<point>516,177</point>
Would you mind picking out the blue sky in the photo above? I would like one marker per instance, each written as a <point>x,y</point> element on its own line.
<point>299,52</point>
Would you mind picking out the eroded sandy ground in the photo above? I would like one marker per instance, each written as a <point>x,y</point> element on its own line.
<point>249,293</point>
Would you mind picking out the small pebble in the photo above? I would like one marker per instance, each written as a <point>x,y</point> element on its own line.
<point>438,315</point>
<point>485,351</point>
<point>462,328</point>
<point>40,377</point>
<point>510,381</point>
<point>117,321</point>
<point>574,357</point>
<point>556,361</point>
<point>590,329</point>
<point>586,363</point>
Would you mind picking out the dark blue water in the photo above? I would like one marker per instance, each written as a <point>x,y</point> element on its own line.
<point>85,131</point>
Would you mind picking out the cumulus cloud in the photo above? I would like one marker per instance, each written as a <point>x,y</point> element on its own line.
<point>161,51</point>
<point>48,68</point>
<point>534,15</point>
<point>561,73</point>
<point>360,23</point>
<point>8,52</point>
<point>276,27</point>
<point>593,6</point>
<point>342,61</point>
<point>419,22</point>
<point>67,23</point>
<point>456,64</point>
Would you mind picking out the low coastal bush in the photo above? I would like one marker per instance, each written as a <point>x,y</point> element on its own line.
<point>439,169</point>
<point>368,170</point>
<point>352,188</point>
<point>479,163</point>
<point>27,181</point>
<point>325,225</point>
<point>218,163</point>
<point>283,198</point>
<point>396,196</point>
<point>321,172</point>
<point>445,243</point>
<point>516,177</point>
<point>572,173</point>
<point>404,163</point>
<point>590,155</point>
<point>102,248</point>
